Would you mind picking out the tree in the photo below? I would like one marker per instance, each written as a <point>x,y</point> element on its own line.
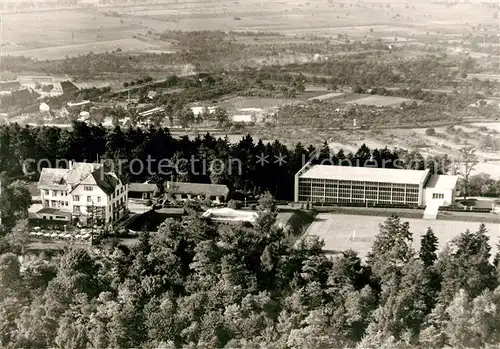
<point>392,247</point>
<point>466,265</point>
<point>221,116</point>
<point>469,161</point>
<point>428,248</point>
<point>430,132</point>
<point>15,200</point>
<point>267,212</point>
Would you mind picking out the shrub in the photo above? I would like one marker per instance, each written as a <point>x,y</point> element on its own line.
<point>430,132</point>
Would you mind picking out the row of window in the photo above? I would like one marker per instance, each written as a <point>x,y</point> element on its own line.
<point>56,192</point>
<point>85,188</point>
<point>334,182</point>
<point>321,193</point>
<point>89,198</point>
<point>437,196</point>
<point>119,192</point>
<point>55,204</point>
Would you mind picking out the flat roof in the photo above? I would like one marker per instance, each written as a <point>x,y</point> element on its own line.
<point>230,215</point>
<point>442,182</point>
<point>51,210</point>
<point>368,174</point>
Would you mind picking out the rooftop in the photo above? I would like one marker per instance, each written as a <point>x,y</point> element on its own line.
<point>382,175</point>
<point>78,173</point>
<point>50,210</point>
<point>197,188</point>
<point>230,215</point>
<point>442,182</point>
<point>9,85</point>
<point>142,187</point>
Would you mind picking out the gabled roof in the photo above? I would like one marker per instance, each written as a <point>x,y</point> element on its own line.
<point>444,182</point>
<point>107,181</point>
<point>53,178</point>
<point>142,187</point>
<point>68,87</point>
<point>80,174</point>
<point>197,188</point>
<point>21,95</point>
<point>10,85</point>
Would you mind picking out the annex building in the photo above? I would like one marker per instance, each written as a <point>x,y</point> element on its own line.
<point>368,185</point>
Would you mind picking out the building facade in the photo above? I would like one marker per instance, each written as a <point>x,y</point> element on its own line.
<point>86,191</point>
<point>182,191</point>
<point>365,185</point>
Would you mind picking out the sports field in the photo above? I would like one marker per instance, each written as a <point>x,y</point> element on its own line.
<point>342,232</point>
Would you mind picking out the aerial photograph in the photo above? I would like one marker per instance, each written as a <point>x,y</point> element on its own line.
<point>249,174</point>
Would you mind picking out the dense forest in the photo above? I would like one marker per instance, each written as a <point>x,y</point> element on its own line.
<point>28,149</point>
<point>196,285</point>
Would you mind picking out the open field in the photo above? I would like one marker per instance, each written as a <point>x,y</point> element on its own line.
<point>341,232</point>
<point>56,52</point>
<point>73,29</point>
<point>253,102</point>
<point>327,96</point>
<point>381,101</point>
<point>484,77</point>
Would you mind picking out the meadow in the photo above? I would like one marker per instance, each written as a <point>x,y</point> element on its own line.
<point>341,231</point>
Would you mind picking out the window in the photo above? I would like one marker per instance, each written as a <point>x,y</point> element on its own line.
<point>76,209</point>
<point>54,192</point>
<point>76,198</point>
<point>88,188</point>
<point>438,196</point>
<point>89,198</point>
<point>99,199</point>
<point>46,192</point>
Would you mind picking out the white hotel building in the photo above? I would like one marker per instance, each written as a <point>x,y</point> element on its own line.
<point>367,185</point>
<point>85,191</point>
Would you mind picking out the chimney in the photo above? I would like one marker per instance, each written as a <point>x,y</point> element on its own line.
<point>70,164</point>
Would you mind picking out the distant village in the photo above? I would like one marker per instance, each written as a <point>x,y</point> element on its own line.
<point>46,100</point>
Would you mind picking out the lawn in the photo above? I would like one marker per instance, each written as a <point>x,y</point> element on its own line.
<point>381,101</point>
<point>342,232</point>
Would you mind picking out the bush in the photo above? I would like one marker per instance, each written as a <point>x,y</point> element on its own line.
<point>430,132</point>
<point>235,205</point>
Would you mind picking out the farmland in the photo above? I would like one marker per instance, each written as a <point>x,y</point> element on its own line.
<point>55,52</point>
<point>342,232</point>
<point>104,28</point>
